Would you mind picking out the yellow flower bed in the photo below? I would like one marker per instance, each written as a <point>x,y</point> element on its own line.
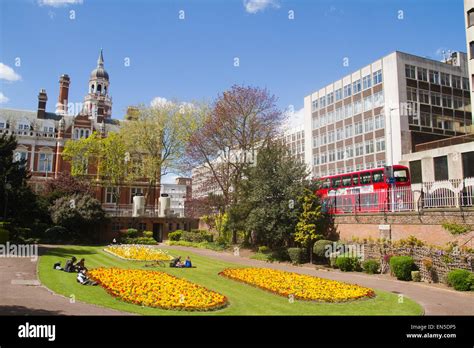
<point>156,289</point>
<point>300,286</point>
<point>138,252</point>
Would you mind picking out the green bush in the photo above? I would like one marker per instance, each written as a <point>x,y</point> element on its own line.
<point>131,233</point>
<point>197,236</point>
<point>280,254</point>
<point>4,235</point>
<point>319,249</point>
<point>297,255</point>
<point>56,234</point>
<point>461,279</point>
<point>401,267</point>
<point>175,236</point>
<point>263,249</point>
<point>371,266</point>
<point>148,234</point>
<point>139,240</point>
<point>416,276</point>
<point>348,263</point>
<point>202,245</point>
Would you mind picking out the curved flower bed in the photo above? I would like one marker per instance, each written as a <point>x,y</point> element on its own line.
<point>156,289</point>
<point>138,252</point>
<point>301,286</point>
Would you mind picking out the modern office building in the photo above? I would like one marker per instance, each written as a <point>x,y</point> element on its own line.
<point>294,140</point>
<point>373,116</point>
<point>178,196</point>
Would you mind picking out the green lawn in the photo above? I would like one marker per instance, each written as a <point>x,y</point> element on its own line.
<point>243,299</point>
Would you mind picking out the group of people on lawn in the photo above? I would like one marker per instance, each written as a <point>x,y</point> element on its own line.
<point>176,262</point>
<point>78,267</point>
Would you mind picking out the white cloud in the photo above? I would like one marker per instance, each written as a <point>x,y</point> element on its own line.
<point>253,6</point>
<point>7,73</point>
<point>59,3</point>
<point>295,118</point>
<point>159,101</point>
<point>3,98</point>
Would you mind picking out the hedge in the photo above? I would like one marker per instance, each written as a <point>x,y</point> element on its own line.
<point>297,255</point>
<point>371,266</point>
<point>401,267</point>
<point>461,279</point>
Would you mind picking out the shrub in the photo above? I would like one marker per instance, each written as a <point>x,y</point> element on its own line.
<point>4,235</point>
<point>297,255</point>
<point>175,236</point>
<point>319,248</point>
<point>139,240</point>
<point>56,233</point>
<point>197,236</point>
<point>280,254</point>
<point>401,267</point>
<point>371,266</point>
<point>460,279</point>
<point>263,249</point>
<point>416,276</point>
<point>455,228</point>
<point>131,233</point>
<point>348,263</point>
<point>148,234</point>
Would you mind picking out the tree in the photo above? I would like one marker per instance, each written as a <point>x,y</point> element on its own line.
<point>225,136</point>
<point>157,138</point>
<point>64,185</point>
<point>78,213</point>
<point>268,208</point>
<point>308,227</point>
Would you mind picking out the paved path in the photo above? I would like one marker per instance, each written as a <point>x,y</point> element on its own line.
<point>22,294</point>
<point>435,299</point>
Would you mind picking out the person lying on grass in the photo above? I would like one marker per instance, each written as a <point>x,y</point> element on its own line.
<point>83,279</point>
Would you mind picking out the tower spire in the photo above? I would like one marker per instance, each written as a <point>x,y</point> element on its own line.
<point>100,61</point>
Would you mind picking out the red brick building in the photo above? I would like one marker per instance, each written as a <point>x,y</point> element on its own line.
<point>41,138</point>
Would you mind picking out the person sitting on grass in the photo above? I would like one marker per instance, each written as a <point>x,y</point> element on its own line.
<point>80,266</point>
<point>83,279</point>
<point>70,267</point>
<point>176,262</point>
<point>188,263</point>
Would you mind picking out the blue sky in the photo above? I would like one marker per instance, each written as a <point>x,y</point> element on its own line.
<point>193,59</point>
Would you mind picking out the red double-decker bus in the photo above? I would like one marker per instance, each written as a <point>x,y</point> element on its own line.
<point>370,190</point>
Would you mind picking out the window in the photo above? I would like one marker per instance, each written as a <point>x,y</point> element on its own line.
<point>359,149</point>
<point>366,82</point>
<point>435,99</point>
<point>336,182</point>
<point>365,178</point>
<point>447,101</point>
<point>358,128</point>
<point>425,119</point>
<point>322,102</point>
<point>380,163</point>
<point>379,122</point>
<point>380,144</point>
<point>377,176</point>
<point>340,154</point>
<point>339,114</point>
<point>422,74</point>
<point>315,160</point>
<point>369,146</point>
<point>324,139</point>
<point>423,96</point>
<point>21,156</point>
<point>338,94</point>
<point>470,17</point>
<point>410,71</point>
<point>369,165</point>
<point>368,103</point>
<point>467,167</point>
<point>445,79</point>
<point>415,170</point>
<point>378,99</point>
<point>349,131</point>
<point>357,107</point>
<point>355,178</point>
<point>465,83</point>
<point>359,166</point>
<point>339,134</point>
<point>331,155</point>
<point>314,105</point>
<point>111,194</point>
<point>348,110</point>
<point>135,191</point>
<point>400,175</point>
<point>331,137</point>
<point>45,162</point>
<point>23,126</point>
<point>3,124</point>
<point>411,94</point>
<point>330,98</point>
<point>324,158</point>
<point>347,90</point>
<point>349,151</point>
<point>47,129</point>
<point>441,168</point>
<point>434,77</point>
<point>471,49</point>
<point>458,103</point>
<point>356,86</point>
<point>330,117</point>
<point>369,124</point>
<point>456,81</point>
<point>377,77</point>
<point>346,181</point>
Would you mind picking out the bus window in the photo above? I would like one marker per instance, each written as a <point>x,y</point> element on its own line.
<point>355,179</point>
<point>326,183</point>
<point>400,175</point>
<point>346,181</point>
<point>377,176</point>
<point>336,182</point>
<point>365,178</point>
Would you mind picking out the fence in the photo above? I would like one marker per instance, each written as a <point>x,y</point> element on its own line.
<point>438,194</point>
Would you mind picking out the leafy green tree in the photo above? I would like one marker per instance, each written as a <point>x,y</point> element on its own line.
<point>310,221</point>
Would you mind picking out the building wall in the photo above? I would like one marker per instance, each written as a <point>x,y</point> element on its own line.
<point>469,6</point>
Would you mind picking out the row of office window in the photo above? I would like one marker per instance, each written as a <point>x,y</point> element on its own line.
<point>425,119</point>
<point>350,89</point>
<point>350,169</point>
<point>344,153</point>
<point>111,194</point>
<point>349,110</point>
<point>436,77</point>
<point>368,125</point>
<point>25,126</point>
<point>436,99</point>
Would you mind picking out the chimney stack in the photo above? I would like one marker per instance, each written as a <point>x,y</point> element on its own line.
<point>61,106</point>
<point>42,99</point>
